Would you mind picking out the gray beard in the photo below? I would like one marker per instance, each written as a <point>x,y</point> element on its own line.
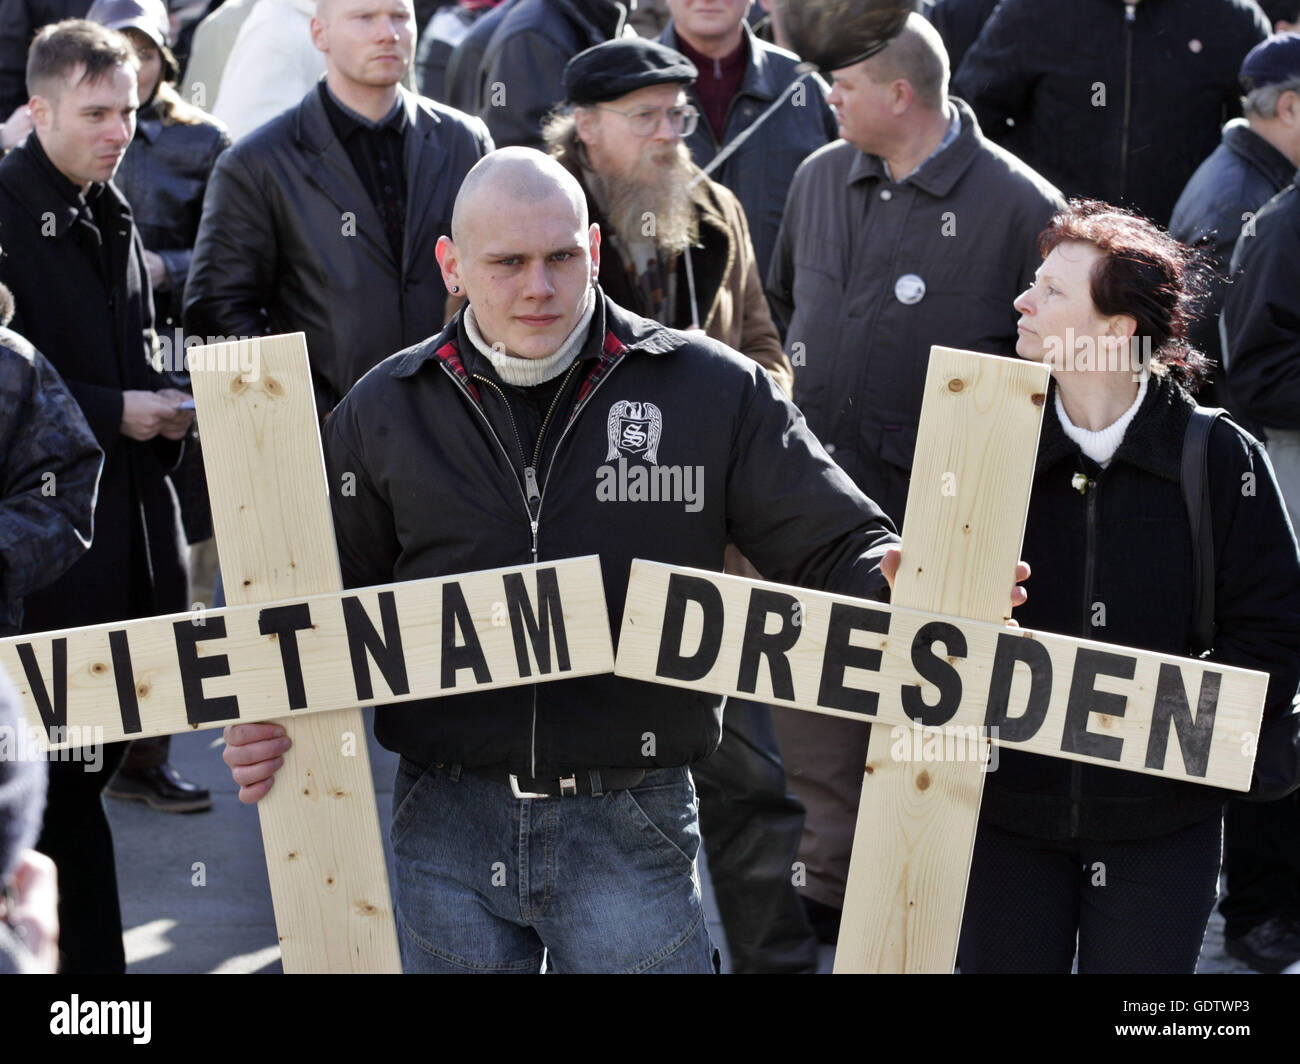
<point>653,206</point>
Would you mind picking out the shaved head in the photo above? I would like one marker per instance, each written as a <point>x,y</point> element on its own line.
<point>524,175</point>
<point>523,251</point>
<point>916,55</point>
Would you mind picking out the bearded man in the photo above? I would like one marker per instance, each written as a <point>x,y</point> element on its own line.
<point>677,246</point>
<point>677,249</point>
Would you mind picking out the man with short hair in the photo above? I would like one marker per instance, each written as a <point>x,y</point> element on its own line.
<point>753,90</point>
<point>1256,159</point>
<point>555,786</point>
<point>324,220</point>
<point>75,264</point>
<point>912,231</point>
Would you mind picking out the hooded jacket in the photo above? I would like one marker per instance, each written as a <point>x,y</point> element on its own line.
<point>1114,563</point>
<point>438,491</point>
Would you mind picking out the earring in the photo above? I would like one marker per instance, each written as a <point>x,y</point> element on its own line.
<point>455,289</point>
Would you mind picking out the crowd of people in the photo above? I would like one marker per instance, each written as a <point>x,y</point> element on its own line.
<point>748,224</point>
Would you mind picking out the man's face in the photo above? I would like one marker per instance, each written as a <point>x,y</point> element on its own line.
<point>368,42</point>
<point>863,108</point>
<point>614,150</point>
<point>707,19</point>
<point>86,127</point>
<point>525,268</point>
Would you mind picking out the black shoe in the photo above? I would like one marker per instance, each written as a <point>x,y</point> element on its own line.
<point>824,919</point>
<point>1268,947</point>
<point>161,787</point>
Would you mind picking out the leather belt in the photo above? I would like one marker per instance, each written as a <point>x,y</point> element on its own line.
<point>593,782</point>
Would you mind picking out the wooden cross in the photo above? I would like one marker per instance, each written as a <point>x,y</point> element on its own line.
<point>304,654</point>
<point>966,510</point>
<point>309,656</point>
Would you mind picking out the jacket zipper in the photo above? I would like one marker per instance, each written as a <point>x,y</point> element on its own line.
<point>1130,17</point>
<point>532,496</point>
<point>1089,574</point>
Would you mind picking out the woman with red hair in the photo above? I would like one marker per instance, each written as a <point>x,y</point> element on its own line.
<point>1124,866</point>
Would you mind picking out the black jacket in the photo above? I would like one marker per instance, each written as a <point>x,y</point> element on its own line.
<point>290,241</point>
<point>759,172</point>
<point>526,57</point>
<point>1261,316</point>
<point>19,21</point>
<point>49,472</point>
<point>463,84</point>
<point>1115,564</point>
<point>1242,174</point>
<point>431,503</point>
<point>1121,110</point>
<point>163,177</point>
<point>98,339</point>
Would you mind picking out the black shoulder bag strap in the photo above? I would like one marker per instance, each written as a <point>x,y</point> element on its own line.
<point>1196,494</point>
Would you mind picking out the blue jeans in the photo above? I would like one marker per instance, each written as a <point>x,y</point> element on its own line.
<point>486,882</point>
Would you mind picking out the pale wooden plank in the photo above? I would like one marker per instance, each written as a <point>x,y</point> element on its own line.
<point>1239,706</point>
<point>270,507</point>
<point>980,420</point>
<point>255,663</point>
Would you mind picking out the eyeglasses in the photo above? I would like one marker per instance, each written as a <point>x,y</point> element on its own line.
<point>682,120</point>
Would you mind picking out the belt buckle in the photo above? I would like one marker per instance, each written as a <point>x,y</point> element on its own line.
<point>568,786</point>
<point>514,789</point>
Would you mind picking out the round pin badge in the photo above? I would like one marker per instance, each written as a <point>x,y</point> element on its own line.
<point>909,289</point>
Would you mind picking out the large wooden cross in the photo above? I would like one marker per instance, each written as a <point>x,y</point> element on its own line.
<point>293,646</point>
<point>966,509</point>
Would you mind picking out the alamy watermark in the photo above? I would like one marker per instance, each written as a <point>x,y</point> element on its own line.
<point>85,744</point>
<point>1085,354</point>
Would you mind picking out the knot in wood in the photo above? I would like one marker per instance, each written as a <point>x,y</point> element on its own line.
<point>956,384</point>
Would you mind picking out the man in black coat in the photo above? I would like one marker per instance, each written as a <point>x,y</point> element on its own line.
<point>75,264</point>
<point>324,220</point>
<point>1115,100</point>
<point>522,74</point>
<point>1256,159</point>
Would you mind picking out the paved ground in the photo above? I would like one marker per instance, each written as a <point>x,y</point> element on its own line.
<point>194,890</point>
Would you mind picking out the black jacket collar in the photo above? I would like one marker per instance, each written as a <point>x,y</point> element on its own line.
<point>760,80</point>
<point>43,191</point>
<point>1153,441</point>
<point>637,334</point>
<point>1257,152</point>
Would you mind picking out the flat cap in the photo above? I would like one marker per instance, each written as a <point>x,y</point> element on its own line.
<point>1269,62</point>
<point>615,68</point>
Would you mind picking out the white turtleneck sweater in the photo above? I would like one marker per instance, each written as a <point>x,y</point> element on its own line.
<point>1101,445</point>
<point>527,372</point>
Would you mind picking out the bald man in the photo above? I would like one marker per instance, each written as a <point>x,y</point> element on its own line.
<point>324,220</point>
<point>560,818</point>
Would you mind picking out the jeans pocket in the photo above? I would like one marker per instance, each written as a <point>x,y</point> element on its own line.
<point>409,784</point>
<point>665,814</point>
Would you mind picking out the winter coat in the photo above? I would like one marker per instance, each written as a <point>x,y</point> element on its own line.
<point>760,171</point>
<point>163,177</point>
<point>1116,101</point>
<point>432,503</point>
<point>49,472</point>
<point>728,291</point>
<point>966,224</point>
<point>19,21</point>
<point>463,85</point>
<point>526,58</point>
<point>1114,563</point>
<point>99,341</point>
<point>1261,330</point>
<point>1242,174</point>
<point>290,240</point>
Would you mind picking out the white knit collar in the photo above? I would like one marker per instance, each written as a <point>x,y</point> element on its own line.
<point>1101,445</point>
<point>527,372</point>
